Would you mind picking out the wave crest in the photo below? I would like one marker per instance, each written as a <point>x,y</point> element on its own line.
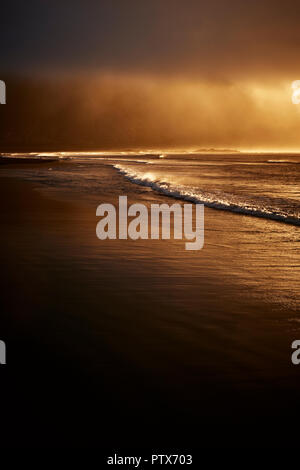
<point>256,207</point>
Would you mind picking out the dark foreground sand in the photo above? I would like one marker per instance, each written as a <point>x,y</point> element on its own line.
<point>143,344</point>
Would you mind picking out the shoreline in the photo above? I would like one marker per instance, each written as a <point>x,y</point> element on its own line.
<point>25,160</point>
<point>143,324</point>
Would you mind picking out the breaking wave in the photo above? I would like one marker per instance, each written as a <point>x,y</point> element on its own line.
<point>254,206</point>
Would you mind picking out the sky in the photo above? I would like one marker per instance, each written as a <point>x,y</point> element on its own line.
<point>159,73</point>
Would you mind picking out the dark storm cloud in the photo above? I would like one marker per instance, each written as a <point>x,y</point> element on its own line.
<point>119,73</point>
<point>213,37</point>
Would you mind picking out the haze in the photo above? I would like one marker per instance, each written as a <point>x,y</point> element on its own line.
<point>160,74</point>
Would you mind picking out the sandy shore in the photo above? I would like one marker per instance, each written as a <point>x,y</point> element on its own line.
<point>121,343</point>
<point>17,161</point>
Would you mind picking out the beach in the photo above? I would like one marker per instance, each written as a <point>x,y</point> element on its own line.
<point>140,342</point>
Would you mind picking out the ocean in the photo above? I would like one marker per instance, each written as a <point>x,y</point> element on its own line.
<point>143,331</point>
<point>262,185</point>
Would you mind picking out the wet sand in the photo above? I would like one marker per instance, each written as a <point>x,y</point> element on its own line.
<point>142,343</point>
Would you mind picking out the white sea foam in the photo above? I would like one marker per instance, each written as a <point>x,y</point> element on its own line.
<point>257,207</point>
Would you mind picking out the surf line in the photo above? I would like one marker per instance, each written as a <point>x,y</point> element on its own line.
<point>184,217</point>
